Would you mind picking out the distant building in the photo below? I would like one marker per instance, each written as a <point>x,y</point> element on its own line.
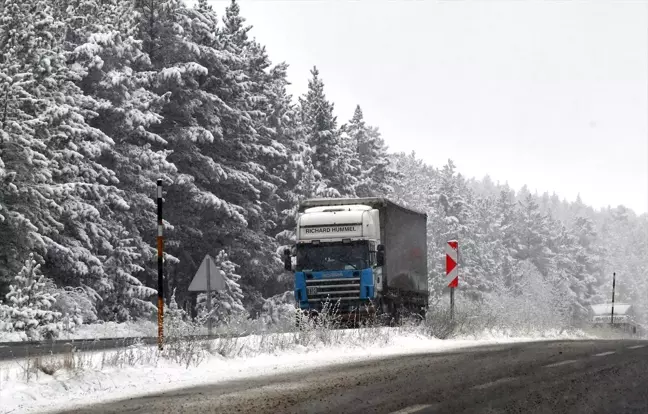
<point>624,316</point>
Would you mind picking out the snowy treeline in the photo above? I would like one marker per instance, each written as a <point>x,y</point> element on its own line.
<point>523,253</point>
<point>98,99</point>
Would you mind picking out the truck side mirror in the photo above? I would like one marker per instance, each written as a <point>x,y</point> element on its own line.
<point>380,255</point>
<point>287,260</point>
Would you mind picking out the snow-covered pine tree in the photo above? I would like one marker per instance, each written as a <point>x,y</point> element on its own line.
<point>188,66</point>
<point>506,218</point>
<point>384,175</point>
<point>452,199</point>
<point>588,274</point>
<point>567,269</point>
<point>227,302</point>
<point>375,173</point>
<point>533,235</point>
<point>270,156</point>
<point>298,177</point>
<point>30,303</point>
<point>467,220</point>
<point>114,70</point>
<point>90,201</point>
<point>483,250</point>
<point>5,324</point>
<point>27,197</point>
<point>533,310</point>
<point>231,298</point>
<point>72,193</point>
<point>417,187</point>
<point>126,297</point>
<point>284,121</point>
<point>173,313</point>
<point>323,136</point>
<point>219,146</point>
<point>312,183</point>
<point>448,219</point>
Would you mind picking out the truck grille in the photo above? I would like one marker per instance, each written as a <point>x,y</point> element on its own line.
<point>320,290</point>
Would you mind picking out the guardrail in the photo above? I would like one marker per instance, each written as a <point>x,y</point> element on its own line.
<point>10,350</point>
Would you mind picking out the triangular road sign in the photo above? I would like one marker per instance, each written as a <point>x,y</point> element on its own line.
<point>217,279</point>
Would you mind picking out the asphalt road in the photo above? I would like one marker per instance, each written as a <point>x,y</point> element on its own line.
<point>541,377</point>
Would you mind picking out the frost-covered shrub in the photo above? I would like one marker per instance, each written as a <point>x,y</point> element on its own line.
<point>279,310</point>
<point>534,304</point>
<point>30,304</point>
<point>77,306</point>
<point>125,297</point>
<point>179,331</point>
<point>176,320</point>
<point>5,323</point>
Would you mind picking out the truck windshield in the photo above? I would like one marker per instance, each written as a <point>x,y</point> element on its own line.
<point>333,256</point>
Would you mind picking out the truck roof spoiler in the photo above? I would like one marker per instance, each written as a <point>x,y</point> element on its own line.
<point>371,201</point>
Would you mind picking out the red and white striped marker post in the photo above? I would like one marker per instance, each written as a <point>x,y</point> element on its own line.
<point>452,270</point>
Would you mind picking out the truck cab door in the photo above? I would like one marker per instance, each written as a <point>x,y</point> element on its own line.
<point>380,255</point>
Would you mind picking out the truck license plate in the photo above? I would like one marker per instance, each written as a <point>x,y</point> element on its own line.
<point>312,290</point>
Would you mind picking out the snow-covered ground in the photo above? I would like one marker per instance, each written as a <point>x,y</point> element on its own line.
<point>111,375</point>
<point>113,330</point>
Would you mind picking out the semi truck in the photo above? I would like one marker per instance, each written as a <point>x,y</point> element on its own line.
<point>366,255</point>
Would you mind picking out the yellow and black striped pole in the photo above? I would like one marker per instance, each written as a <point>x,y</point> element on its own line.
<point>160,262</point>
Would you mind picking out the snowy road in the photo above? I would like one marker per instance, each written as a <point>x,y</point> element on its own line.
<point>538,377</point>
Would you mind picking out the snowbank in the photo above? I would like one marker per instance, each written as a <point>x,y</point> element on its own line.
<point>141,328</point>
<point>104,376</point>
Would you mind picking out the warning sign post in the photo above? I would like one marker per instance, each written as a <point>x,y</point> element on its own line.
<point>452,271</point>
<point>208,278</point>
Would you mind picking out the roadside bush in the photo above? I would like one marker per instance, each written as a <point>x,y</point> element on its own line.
<point>76,304</point>
<point>278,312</point>
<point>30,304</point>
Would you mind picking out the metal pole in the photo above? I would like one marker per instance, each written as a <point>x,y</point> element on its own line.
<point>452,289</point>
<point>209,298</point>
<point>452,303</point>
<point>160,262</point>
<point>613,286</point>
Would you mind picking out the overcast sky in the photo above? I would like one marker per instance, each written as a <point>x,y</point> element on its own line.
<point>551,94</point>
